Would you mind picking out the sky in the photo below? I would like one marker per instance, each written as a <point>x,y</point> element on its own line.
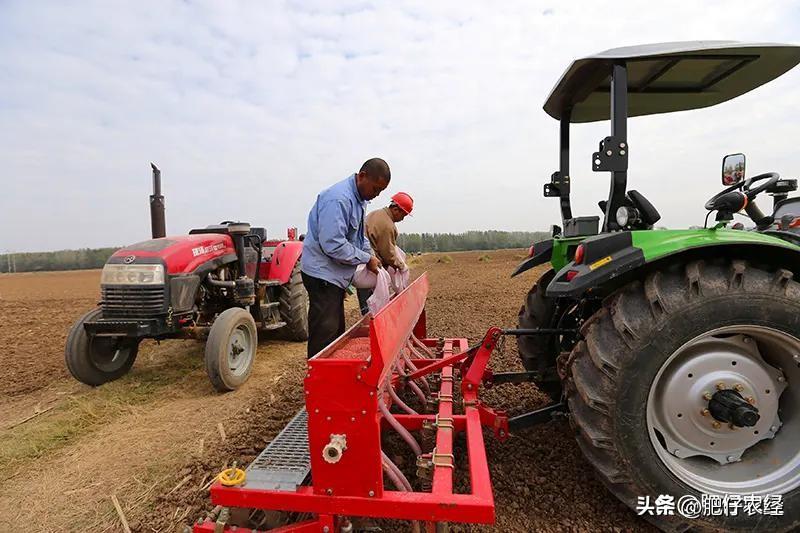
<point>251,108</point>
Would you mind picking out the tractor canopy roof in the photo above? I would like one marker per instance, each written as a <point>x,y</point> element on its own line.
<point>666,77</point>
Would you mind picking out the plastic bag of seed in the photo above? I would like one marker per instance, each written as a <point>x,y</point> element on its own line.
<point>382,292</point>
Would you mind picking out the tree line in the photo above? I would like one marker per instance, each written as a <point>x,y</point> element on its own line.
<point>60,260</point>
<point>469,240</point>
<point>86,258</point>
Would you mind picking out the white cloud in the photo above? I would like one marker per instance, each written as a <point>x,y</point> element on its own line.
<point>251,108</point>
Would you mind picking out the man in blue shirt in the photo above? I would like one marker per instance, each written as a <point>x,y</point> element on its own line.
<point>334,246</point>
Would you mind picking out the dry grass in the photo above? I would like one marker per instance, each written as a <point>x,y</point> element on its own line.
<point>131,438</point>
<point>79,415</point>
<point>413,261</point>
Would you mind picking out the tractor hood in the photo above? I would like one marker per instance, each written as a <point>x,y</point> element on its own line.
<point>180,255</point>
<point>668,77</point>
<point>611,256</point>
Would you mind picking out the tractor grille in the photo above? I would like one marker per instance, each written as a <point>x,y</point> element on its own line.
<point>130,301</point>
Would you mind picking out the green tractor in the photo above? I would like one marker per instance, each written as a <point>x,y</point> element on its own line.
<point>676,352</point>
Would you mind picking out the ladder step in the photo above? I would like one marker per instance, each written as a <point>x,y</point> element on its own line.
<point>285,463</point>
<point>269,282</point>
<point>274,325</point>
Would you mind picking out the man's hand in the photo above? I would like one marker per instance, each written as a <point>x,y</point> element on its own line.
<point>402,267</point>
<point>374,264</point>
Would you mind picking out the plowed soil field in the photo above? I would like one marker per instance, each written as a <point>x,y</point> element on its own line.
<point>154,438</point>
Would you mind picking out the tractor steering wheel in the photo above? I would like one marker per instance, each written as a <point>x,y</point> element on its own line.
<point>729,200</point>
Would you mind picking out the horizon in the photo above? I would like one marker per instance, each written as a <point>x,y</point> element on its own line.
<point>4,253</point>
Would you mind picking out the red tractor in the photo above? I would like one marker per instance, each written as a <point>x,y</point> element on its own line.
<point>224,283</point>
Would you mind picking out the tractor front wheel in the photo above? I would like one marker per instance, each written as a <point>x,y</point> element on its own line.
<point>231,349</point>
<point>294,306</point>
<point>688,386</point>
<point>97,360</point>
<point>539,352</point>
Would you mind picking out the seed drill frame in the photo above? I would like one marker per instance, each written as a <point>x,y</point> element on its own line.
<point>336,440</point>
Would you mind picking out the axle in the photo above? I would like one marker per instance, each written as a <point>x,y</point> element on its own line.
<point>729,406</point>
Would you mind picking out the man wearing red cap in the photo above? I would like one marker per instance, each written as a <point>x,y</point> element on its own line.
<point>382,235</point>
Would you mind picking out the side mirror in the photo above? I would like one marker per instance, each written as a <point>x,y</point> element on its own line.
<point>732,169</point>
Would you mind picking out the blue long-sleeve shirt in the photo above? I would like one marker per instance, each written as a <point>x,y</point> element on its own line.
<point>336,242</point>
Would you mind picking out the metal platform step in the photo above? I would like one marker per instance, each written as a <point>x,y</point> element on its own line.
<point>285,463</point>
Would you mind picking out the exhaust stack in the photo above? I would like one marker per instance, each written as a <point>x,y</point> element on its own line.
<point>158,223</point>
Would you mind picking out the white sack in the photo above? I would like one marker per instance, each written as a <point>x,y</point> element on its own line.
<point>363,278</point>
<point>399,277</point>
<point>382,292</point>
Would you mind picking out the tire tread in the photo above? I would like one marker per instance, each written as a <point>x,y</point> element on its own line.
<point>626,321</point>
<point>293,306</point>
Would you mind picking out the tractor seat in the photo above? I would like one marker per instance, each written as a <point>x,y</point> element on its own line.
<point>581,226</point>
<point>790,206</point>
<point>223,229</point>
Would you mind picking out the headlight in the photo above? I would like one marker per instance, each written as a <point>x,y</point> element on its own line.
<point>623,215</point>
<point>133,275</point>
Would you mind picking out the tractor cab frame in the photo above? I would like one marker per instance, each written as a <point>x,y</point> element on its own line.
<point>646,80</point>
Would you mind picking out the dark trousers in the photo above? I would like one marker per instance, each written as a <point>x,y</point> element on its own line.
<point>325,313</point>
<point>363,296</point>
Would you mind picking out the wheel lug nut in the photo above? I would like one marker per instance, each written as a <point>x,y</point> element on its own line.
<point>751,400</point>
<point>707,396</point>
<point>738,387</point>
<point>720,386</point>
<point>781,379</point>
<point>705,412</point>
<point>773,429</point>
<point>715,424</point>
<point>730,458</point>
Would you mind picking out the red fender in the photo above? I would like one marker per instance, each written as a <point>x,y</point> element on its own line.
<point>284,258</point>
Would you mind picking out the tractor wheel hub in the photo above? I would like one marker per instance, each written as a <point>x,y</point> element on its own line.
<point>729,406</point>
<point>716,399</point>
<point>240,350</point>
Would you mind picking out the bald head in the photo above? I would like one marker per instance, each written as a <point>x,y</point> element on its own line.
<point>373,178</point>
<point>376,168</point>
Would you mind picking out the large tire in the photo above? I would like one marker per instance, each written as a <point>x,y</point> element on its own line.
<point>294,306</point>
<point>642,331</point>
<point>539,352</point>
<point>231,349</point>
<point>97,360</point>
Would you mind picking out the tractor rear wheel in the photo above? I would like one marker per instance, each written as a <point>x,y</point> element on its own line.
<point>231,349</point>
<point>294,306</point>
<point>658,362</point>
<point>539,352</point>
<point>98,360</point>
